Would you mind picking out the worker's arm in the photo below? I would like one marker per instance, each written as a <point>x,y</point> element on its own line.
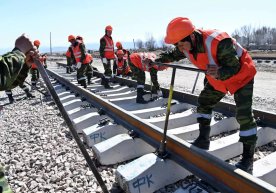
<point>227,58</point>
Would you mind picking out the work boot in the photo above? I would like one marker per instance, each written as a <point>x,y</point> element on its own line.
<point>140,99</point>
<point>11,99</point>
<point>83,83</point>
<point>246,163</point>
<point>203,141</point>
<point>105,82</point>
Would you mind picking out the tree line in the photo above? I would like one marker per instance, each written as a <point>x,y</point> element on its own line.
<point>251,37</point>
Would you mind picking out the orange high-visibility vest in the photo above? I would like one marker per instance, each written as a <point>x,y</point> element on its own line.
<point>77,55</point>
<point>109,48</point>
<point>120,67</point>
<point>211,39</point>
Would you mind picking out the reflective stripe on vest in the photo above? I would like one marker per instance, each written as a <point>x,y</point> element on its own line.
<point>249,132</point>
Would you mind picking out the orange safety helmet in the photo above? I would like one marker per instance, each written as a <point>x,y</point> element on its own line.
<point>120,52</point>
<point>71,37</point>
<point>118,45</point>
<point>37,43</point>
<point>108,28</point>
<point>178,29</point>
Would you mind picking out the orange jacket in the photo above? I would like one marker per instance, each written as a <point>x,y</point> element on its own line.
<point>109,48</point>
<point>211,39</point>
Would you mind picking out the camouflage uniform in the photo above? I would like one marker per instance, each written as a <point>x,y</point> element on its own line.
<point>13,70</point>
<point>209,97</point>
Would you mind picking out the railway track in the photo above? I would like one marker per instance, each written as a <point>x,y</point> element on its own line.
<point>118,130</point>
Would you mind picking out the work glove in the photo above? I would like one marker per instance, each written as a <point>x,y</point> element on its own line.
<point>78,65</point>
<point>212,70</point>
<point>159,93</point>
<point>104,60</point>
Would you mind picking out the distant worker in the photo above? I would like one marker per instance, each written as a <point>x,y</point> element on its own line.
<point>137,60</point>
<point>107,55</point>
<point>34,70</point>
<point>82,58</point>
<point>229,69</point>
<point>121,62</point>
<point>14,65</point>
<point>119,47</point>
<point>89,71</point>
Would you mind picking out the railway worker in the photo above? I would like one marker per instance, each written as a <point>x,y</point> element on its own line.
<point>107,55</point>
<point>119,46</point>
<point>121,62</point>
<point>138,60</point>
<point>89,71</point>
<point>15,65</point>
<point>34,70</point>
<point>82,58</point>
<point>229,69</point>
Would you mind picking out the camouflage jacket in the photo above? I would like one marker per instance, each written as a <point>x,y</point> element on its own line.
<point>226,56</point>
<point>13,69</point>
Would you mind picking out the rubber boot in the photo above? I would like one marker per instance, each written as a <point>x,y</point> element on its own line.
<point>28,94</point>
<point>246,163</point>
<point>203,140</point>
<point>83,83</point>
<point>140,99</point>
<point>11,99</point>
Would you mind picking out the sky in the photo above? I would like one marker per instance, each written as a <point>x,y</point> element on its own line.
<point>130,19</point>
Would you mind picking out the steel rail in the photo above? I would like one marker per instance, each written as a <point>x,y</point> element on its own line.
<point>221,175</point>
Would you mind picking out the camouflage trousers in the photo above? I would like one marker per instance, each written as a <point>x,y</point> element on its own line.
<point>84,70</point>
<point>4,186</point>
<point>209,97</point>
<point>107,68</point>
<point>35,76</point>
<point>141,78</point>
